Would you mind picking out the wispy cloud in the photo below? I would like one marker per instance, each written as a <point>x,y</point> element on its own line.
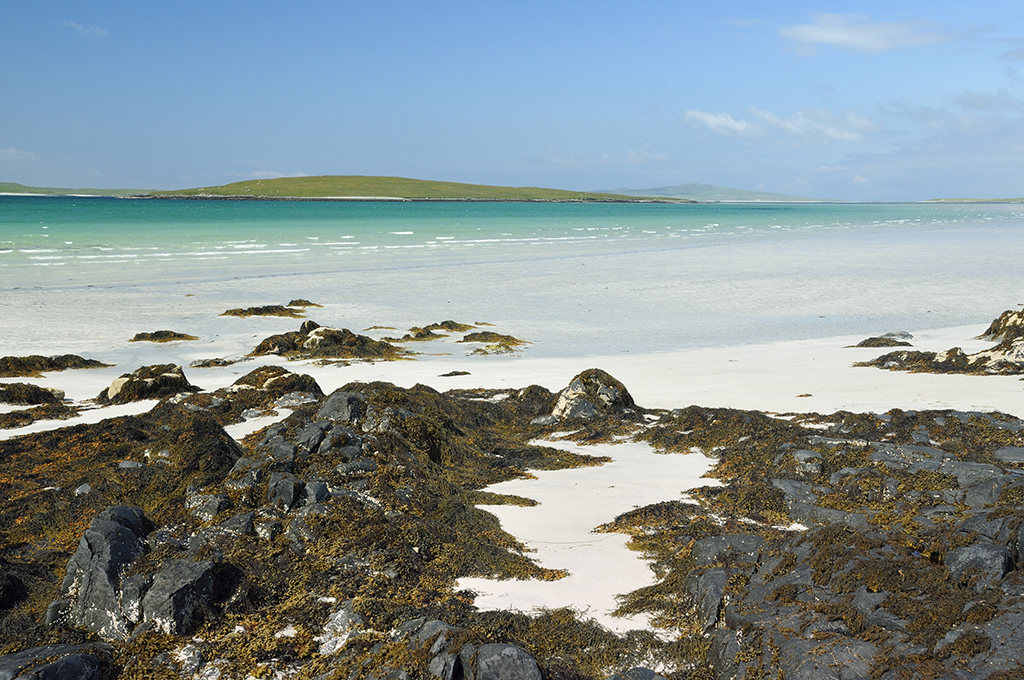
<point>811,125</point>
<point>722,123</point>
<point>858,33</point>
<point>820,125</point>
<point>88,31</point>
<point>1012,55</point>
<point>989,103</point>
<point>17,155</point>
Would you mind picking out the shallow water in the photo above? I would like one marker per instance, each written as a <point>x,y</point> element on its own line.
<point>574,279</point>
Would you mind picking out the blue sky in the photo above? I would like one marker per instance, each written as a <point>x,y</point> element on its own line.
<point>857,101</point>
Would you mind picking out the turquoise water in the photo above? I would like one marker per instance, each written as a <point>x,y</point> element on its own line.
<point>71,241</point>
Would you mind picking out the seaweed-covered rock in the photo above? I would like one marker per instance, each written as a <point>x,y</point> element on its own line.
<point>1007,326</point>
<point>35,365</point>
<point>91,592</point>
<point>90,661</point>
<point>26,394</point>
<point>887,340</point>
<point>148,382</point>
<point>265,310</point>
<point>592,394</point>
<point>313,341</point>
<point>163,336</point>
<point>181,591</point>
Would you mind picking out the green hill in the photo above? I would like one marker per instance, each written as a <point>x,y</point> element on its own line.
<point>707,192</point>
<point>14,188</point>
<point>362,187</point>
<point>975,200</point>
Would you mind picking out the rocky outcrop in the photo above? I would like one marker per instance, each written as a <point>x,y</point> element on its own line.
<point>313,341</point>
<point>591,395</point>
<point>162,336</point>
<point>90,596</point>
<point>895,339</point>
<point>267,310</point>
<point>90,661</point>
<point>148,382</point>
<point>1006,358</point>
<point>34,366</point>
<point>26,394</point>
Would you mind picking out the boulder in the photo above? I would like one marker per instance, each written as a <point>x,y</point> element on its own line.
<point>342,407</point>
<point>992,560</point>
<point>90,661</point>
<point>592,394</point>
<point>90,596</point>
<point>180,592</point>
<point>505,662</point>
<point>149,382</point>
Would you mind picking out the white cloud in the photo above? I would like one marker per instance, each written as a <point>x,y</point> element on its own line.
<point>811,125</point>
<point>860,34</point>
<point>87,31</point>
<point>722,123</point>
<point>820,125</point>
<point>17,155</point>
<point>860,179</point>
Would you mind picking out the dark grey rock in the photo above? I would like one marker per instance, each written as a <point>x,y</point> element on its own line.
<point>91,661</point>
<point>717,548</point>
<point>268,531</point>
<point>310,436</point>
<point>707,590</point>
<point>205,507</point>
<point>283,490</point>
<point>315,492</point>
<point>342,407</point>
<point>91,587</point>
<point>967,473</point>
<point>240,524</point>
<point>839,659</point>
<point>986,492</point>
<point>357,466</point>
<point>1010,454</point>
<point>993,560</point>
<point>505,662</point>
<point>180,592</point>
<point>997,530</point>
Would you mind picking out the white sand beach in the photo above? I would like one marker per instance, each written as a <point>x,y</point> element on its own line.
<point>750,326</point>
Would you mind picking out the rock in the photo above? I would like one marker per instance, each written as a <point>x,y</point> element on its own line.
<point>149,382</point>
<point>591,394</point>
<point>35,365</point>
<point>339,628</point>
<point>342,407</point>
<point>883,341</point>
<point>12,589</point>
<point>505,662</point>
<point>206,506</point>
<point>1010,454</point>
<point>180,592</point>
<point>717,548</point>
<point>992,560</point>
<point>162,336</point>
<point>90,661</point>
<point>91,591</point>
<point>313,341</point>
<point>283,490</point>
<point>27,395</point>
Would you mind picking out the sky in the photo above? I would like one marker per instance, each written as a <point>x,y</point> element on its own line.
<point>873,101</point>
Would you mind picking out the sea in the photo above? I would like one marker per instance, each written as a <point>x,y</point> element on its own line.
<point>588,277</point>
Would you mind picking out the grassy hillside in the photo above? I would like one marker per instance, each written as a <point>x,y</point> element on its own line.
<point>358,186</point>
<point>707,192</point>
<point>13,188</point>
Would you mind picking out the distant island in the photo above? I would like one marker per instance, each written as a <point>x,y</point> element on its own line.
<point>706,193</point>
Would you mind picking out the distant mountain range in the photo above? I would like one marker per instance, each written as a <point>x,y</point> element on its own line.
<point>707,192</point>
